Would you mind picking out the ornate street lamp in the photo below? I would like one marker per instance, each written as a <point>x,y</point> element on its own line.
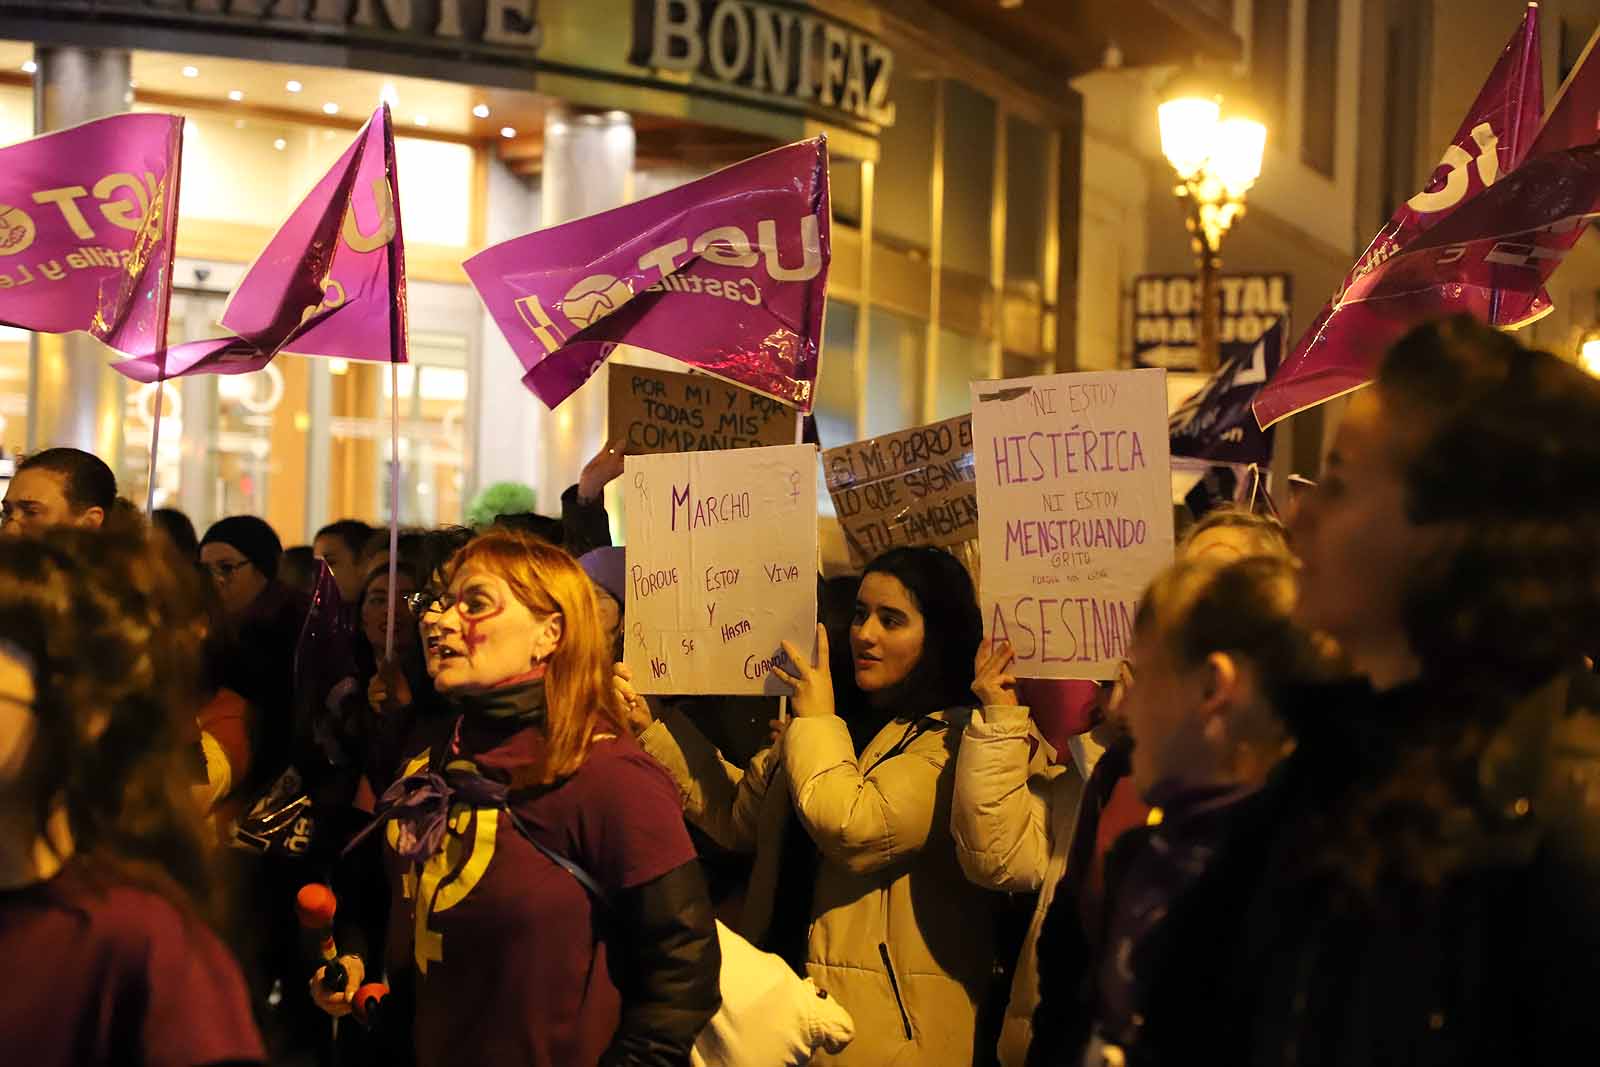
<point>1217,159</point>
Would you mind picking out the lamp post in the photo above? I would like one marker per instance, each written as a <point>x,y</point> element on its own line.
<point>1217,160</point>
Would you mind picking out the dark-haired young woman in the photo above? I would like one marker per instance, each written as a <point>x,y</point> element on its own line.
<point>104,880</point>
<point>897,935</point>
<point>1419,883</point>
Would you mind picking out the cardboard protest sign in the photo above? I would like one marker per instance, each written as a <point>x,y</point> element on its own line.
<point>1074,513</point>
<point>658,411</point>
<point>722,567</point>
<point>914,487</point>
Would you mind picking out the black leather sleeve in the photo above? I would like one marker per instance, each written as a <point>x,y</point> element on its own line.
<point>583,525</point>
<point>665,959</point>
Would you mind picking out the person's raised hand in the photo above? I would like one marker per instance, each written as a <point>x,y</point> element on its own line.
<point>991,681</point>
<point>388,691</point>
<point>635,708</point>
<point>812,681</point>
<point>602,470</point>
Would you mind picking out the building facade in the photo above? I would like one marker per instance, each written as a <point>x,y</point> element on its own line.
<point>955,141</point>
<point>1360,98</point>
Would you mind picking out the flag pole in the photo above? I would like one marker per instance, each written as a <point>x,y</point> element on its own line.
<point>397,352</point>
<point>394,494</point>
<point>169,238</point>
<point>155,445</point>
<point>799,439</point>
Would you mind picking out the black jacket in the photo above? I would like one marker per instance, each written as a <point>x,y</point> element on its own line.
<point>666,962</point>
<point>1268,962</point>
<point>584,524</point>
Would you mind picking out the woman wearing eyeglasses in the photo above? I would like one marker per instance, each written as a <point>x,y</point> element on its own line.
<point>263,617</point>
<point>546,894</point>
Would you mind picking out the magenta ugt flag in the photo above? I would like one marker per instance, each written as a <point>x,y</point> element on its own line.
<point>727,274</point>
<point>1493,256</point>
<point>87,218</point>
<point>1341,349</point>
<point>331,281</point>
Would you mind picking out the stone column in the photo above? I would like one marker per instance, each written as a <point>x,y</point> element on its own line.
<point>74,398</point>
<point>588,167</point>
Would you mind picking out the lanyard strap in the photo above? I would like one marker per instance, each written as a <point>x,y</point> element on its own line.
<point>914,731</point>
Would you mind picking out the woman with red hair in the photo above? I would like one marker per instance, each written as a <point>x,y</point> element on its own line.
<point>546,891</point>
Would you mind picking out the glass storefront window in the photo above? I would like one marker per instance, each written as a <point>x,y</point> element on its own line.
<point>902,208</point>
<point>896,368</point>
<point>16,114</point>
<point>433,404</point>
<point>844,189</point>
<point>287,158</point>
<point>969,120</point>
<point>13,390</point>
<point>1027,187</point>
<point>1017,365</point>
<point>835,406</point>
<point>962,359</point>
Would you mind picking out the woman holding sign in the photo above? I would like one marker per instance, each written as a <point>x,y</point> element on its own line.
<point>897,934</point>
<point>545,888</point>
<point>1419,882</point>
<point>900,937</point>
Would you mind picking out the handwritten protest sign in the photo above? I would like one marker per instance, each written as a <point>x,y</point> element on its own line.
<point>658,411</point>
<point>722,567</point>
<point>914,487</point>
<point>1075,513</point>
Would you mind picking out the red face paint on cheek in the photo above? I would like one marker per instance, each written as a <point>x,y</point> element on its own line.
<point>471,636</point>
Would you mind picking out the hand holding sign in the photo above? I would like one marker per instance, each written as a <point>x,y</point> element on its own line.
<point>602,470</point>
<point>812,681</point>
<point>990,683</point>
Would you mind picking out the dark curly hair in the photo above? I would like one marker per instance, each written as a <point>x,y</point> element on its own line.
<point>1500,453</point>
<point>1504,453</point>
<point>112,628</point>
<point>953,626</point>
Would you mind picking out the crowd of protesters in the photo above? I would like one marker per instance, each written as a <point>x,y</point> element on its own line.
<point>1340,807</point>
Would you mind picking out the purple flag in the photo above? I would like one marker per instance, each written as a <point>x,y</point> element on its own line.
<point>325,669</point>
<point>1216,423</point>
<point>727,274</point>
<point>1574,122</point>
<point>331,282</point>
<point>1342,347</point>
<point>86,226</point>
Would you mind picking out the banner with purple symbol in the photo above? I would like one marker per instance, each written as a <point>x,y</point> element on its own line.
<point>87,217</point>
<point>727,274</point>
<point>1340,351</point>
<point>331,281</point>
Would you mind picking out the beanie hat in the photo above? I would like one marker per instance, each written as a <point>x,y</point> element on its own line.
<point>252,537</point>
<point>608,568</point>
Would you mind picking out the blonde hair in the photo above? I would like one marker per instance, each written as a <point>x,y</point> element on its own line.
<point>1244,608</point>
<point>580,699</point>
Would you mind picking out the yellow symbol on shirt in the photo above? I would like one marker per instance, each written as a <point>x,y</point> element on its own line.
<point>449,875</point>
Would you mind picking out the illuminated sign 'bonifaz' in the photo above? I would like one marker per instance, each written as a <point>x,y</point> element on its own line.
<point>801,58</point>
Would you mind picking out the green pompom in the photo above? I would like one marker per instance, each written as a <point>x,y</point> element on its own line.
<point>501,498</point>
